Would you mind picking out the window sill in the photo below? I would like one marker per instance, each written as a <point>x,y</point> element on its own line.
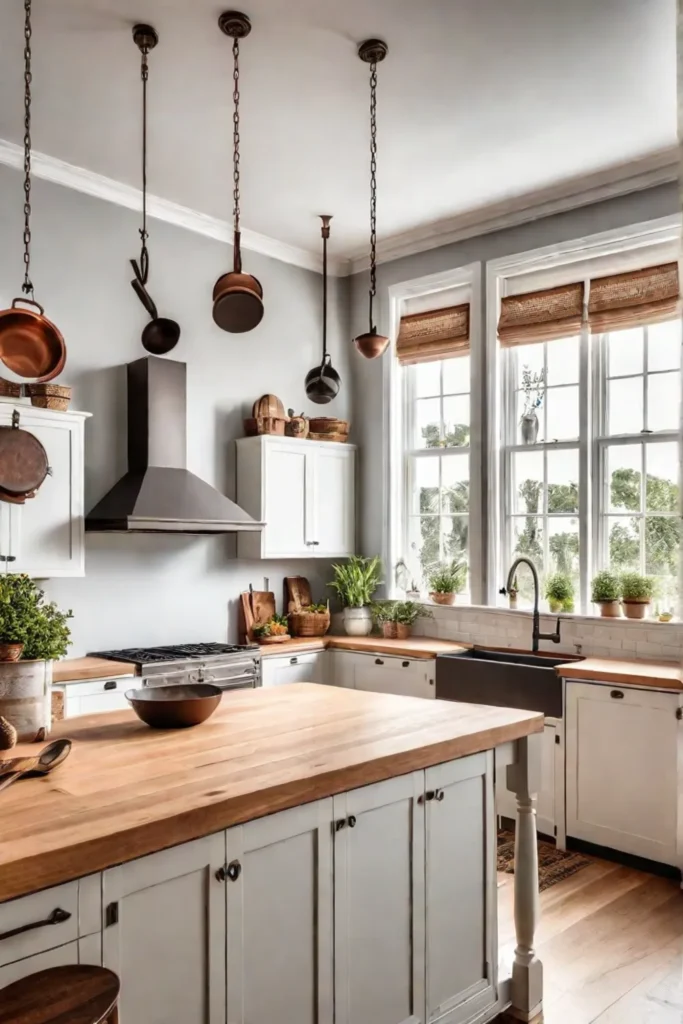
<point>446,610</point>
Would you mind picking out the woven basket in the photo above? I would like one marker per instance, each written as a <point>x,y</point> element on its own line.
<point>309,623</point>
<point>9,389</point>
<point>50,396</point>
<point>328,425</point>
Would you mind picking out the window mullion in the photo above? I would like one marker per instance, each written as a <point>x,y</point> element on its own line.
<point>643,505</point>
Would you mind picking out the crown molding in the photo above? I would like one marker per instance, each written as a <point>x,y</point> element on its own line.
<point>658,169</point>
<point>59,172</point>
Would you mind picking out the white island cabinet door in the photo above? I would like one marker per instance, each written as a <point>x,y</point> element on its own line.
<point>461,889</point>
<point>334,500</point>
<point>379,903</point>
<point>164,934</point>
<point>279,913</point>
<point>622,768</point>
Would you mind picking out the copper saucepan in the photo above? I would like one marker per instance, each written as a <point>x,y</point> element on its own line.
<point>237,297</point>
<point>30,344</point>
<point>23,463</point>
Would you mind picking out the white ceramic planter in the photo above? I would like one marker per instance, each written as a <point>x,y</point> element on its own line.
<point>25,698</point>
<point>358,621</point>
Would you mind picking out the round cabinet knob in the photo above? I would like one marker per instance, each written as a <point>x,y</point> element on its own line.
<point>440,794</point>
<point>234,870</point>
<point>352,820</point>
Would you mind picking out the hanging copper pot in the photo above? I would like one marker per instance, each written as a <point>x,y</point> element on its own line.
<point>237,297</point>
<point>23,463</point>
<point>30,344</point>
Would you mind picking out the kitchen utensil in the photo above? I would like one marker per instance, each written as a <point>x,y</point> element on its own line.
<point>30,344</point>
<point>50,757</point>
<point>237,297</point>
<point>297,593</point>
<point>323,382</point>
<point>372,52</point>
<point>161,334</point>
<point>23,463</point>
<point>175,707</point>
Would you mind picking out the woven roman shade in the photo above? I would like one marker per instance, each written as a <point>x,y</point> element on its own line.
<point>631,300</point>
<point>438,334</point>
<point>541,316</point>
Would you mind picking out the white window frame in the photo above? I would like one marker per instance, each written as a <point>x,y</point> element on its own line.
<point>607,253</point>
<point>397,424</point>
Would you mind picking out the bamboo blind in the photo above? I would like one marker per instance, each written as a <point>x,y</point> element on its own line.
<point>631,300</point>
<point>438,334</point>
<point>542,315</point>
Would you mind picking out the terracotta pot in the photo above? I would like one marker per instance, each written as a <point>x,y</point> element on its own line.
<point>389,630</point>
<point>636,609</point>
<point>403,630</point>
<point>609,609</point>
<point>439,598</point>
<point>10,652</point>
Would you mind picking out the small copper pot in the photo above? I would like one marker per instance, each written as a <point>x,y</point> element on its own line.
<point>372,344</point>
<point>237,297</point>
<point>30,344</point>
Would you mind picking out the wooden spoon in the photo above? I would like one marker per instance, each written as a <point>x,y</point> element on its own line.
<point>50,757</point>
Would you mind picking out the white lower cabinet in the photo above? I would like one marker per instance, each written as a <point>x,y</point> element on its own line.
<point>293,668</point>
<point>623,782</point>
<point>164,934</point>
<point>379,886</point>
<point>96,695</point>
<point>385,673</point>
<point>550,796</point>
<point>460,898</point>
<point>279,914</point>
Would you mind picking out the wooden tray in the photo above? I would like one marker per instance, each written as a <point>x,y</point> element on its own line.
<point>273,639</point>
<point>255,607</point>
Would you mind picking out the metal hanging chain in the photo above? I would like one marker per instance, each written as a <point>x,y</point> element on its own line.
<point>373,183</point>
<point>27,286</point>
<point>144,234</point>
<point>236,134</point>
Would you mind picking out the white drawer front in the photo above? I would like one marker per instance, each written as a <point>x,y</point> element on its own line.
<point>38,909</point>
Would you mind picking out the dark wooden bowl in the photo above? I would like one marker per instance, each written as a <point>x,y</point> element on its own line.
<point>175,707</point>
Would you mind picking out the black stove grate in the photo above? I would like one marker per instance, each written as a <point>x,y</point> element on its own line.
<point>180,652</point>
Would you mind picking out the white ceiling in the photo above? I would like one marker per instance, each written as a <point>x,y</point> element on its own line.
<point>479,101</point>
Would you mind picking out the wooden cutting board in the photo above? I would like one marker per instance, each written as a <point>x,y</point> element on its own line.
<point>257,606</point>
<point>297,592</point>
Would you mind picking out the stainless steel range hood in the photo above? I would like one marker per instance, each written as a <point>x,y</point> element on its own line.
<point>158,494</point>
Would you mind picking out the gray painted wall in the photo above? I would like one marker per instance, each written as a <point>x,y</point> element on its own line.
<point>367,375</point>
<point>149,589</point>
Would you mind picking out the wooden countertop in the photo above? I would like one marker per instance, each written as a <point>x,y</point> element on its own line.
<point>660,674</point>
<point>127,790</point>
<point>80,669</point>
<point>413,647</point>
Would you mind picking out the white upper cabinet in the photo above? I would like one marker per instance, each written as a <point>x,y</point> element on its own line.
<point>45,537</point>
<point>304,491</point>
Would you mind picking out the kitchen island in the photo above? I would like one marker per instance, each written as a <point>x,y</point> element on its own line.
<point>309,854</point>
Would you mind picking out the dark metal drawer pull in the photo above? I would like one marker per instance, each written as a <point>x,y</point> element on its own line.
<point>617,694</point>
<point>405,664</point>
<point>378,661</point>
<point>111,685</point>
<point>429,795</point>
<point>58,916</point>
<point>293,661</point>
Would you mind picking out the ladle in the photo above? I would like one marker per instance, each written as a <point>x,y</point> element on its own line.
<point>323,382</point>
<point>160,335</point>
<point>50,757</point>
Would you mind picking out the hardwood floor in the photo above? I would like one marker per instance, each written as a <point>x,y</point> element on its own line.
<point>611,942</point>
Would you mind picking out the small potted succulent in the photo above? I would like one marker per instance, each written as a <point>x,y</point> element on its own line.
<point>559,590</point>
<point>606,592</point>
<point>355,583</point>
<point>636,594</point>
<point>445,580</point>
<point>33,634</point>
<point>405,615</point>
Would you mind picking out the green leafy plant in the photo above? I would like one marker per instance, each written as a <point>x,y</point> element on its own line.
<point>357,580</point>
<point>26,618</point>
<point>559,590</point>
<point>383,611</point>
<point>316,609</point>
<point>605,586</point>
<point>635,587</point>
<point>407,612</point>
<point>447,577</point>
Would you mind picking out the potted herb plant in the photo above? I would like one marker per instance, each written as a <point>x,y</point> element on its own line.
<point>33,634</point>
<point>445,580</point>
<point>405,615</point>
<point>636,594</point>
<point>559,590</point>
<point>383,618</point>
<point>355,582</point>
<point>606,592</point>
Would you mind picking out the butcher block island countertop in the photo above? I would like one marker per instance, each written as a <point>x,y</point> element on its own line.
<point>128,790</point>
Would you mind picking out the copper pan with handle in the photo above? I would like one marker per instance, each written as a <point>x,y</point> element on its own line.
<point>23,463</point>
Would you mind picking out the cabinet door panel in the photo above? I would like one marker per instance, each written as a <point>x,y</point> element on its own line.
<point>286,505</point>
<point>460,891</point>
<point>394,675</point>
<point>334,501</point>
<point>298,668</point>
<point>379,904</point>
<point>168,943</point>
<point>279,913</point>
<point>622,785</point>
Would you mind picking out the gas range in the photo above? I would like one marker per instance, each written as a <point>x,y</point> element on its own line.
<point>229,666</point>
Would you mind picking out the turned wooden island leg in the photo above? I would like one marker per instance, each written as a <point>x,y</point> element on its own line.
<point>527,969</point>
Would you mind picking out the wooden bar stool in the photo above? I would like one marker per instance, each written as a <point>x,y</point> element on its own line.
<point>62,995</point>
